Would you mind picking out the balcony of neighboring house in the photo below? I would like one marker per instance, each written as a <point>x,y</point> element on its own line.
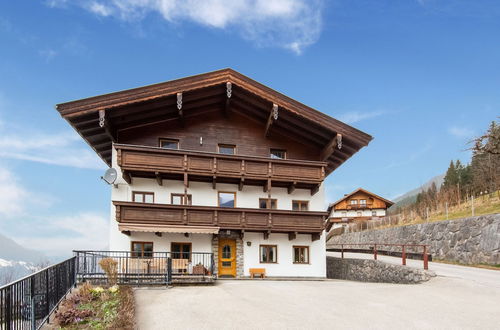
<point>158,218</point>
<point>359,206</point>
<point>188,165</point>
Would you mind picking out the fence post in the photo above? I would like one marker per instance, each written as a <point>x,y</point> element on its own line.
<point>32,303</point>
<point>342,250</point>
<point>8,308</point>
<point>426,259</point>
<point>375,251</point>
<point>169,270</point>
<point>47,297</point>
<point>403,256</point>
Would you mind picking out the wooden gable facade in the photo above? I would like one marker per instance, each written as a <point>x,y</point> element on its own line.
<point>371,201</point>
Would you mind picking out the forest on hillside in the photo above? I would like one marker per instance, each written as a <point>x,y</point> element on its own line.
<point>462,182</point>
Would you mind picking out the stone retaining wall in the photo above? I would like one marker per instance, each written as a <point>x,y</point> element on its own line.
<point>365,270</point>
<point>471,240</point>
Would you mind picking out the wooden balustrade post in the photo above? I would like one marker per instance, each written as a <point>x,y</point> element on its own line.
<point>426,258</point>
<point>403,256</point>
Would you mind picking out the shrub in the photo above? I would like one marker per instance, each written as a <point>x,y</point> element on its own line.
<point>110,267</point>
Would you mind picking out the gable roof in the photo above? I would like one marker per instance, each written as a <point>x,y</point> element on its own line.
<point>386,201</point>
<point>208,91</point>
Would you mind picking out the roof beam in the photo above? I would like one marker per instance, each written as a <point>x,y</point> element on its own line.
<point>227,105</point>
<point>273,116</point>
<point>329,149</point>
<point>159,179</point>
<point>179,108</point>
<point>291,188</point>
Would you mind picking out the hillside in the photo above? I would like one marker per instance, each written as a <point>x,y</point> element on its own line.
<point>17,261</point>
<point>411,196</point>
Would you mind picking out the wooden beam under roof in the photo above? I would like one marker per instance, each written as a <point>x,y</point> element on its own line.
<point>273,116</point>
<point>329,149</point>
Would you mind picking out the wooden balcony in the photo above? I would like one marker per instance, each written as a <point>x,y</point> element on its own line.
<point>244,219</point>
<point>141,161</point>
<point>360,206</point>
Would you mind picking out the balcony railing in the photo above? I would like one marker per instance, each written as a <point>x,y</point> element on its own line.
<point>222,217</point>
<point>359,206</point>
<point>151,161</point>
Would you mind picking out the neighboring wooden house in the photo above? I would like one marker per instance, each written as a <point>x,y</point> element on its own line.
<point>356,206</point>
<point>217,165</point>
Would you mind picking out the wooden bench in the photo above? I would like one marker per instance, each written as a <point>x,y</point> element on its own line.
<point>258,271</point>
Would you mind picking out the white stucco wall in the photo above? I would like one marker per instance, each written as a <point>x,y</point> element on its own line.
<point>203,194</point>
<point>285,266</point>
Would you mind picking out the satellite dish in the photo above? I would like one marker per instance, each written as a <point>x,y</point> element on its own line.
<point>109,176</point>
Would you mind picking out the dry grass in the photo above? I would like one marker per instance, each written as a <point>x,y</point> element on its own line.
<point>126,310</point>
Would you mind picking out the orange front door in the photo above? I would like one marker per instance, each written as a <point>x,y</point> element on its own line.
<point>227,257</point>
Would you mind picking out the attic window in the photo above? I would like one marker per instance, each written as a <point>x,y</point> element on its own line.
<point>227,149</point>
<point>169,144</point>
<point>278,153</point>
<point>354,202</point>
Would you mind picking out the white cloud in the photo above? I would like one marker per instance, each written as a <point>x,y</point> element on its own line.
<point>355,116</point>
<point>47,54</point>
<point>13,194</point>
<point>461,132</point>
<point>291,24</point>
<point>83,231</point>
<point>56,148</point>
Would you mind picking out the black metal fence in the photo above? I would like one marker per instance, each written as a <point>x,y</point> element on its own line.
<point>28,302</point>
<point>147,268</point>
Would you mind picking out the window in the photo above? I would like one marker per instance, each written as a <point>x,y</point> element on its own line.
<point>266,203</point>
<point>142,249</point>
<point>169,143</point>
<point>180,199</point>
<point>362,201</point>
<point>181,250</point>
<point>277,153</point>
<point>227,149</point>
<point>268,254</point>
<point>300,205</point>
<point>227,199</point>
<point>354,202</point>
<point>300,254</point>
<point>143,197</point>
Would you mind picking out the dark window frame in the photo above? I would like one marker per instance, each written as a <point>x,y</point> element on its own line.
<point>226,192</point>
<point>267,246</point>
<point>176,141</point>
<point>181,244</point>
<point>268,202</point>
<point>183,202</point>
<point>225,145</point>
<point>144,194</point>
<point>143,253</point>
<point>278,150</point>
<point>300,204</point>
<point>306,247</point>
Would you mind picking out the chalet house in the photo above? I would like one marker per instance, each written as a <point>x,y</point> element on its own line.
<point>360,205</point>
<point>217,168</point>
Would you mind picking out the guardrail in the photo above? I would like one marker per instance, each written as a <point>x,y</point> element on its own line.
<point>374,248</point>
<point>27,303</point>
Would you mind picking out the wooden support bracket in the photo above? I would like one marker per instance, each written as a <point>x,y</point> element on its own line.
<point>127,177</point>
<point>159,178</point>
<point>291,188</point>
<point>242,182</point>
<point>292,236</point>
<point>273,116</point>
<point>158,234</point>
<point>329,149</point>
<point>315,237</point>
<point>126,232</point>
<point>266,234</point>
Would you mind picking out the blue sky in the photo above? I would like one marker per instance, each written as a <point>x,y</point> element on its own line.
<point>422,77</point>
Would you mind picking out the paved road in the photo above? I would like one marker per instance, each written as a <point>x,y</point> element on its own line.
<point>458,298</point>
<point>487,277</point>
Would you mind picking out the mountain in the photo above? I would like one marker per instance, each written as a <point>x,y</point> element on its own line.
<point>17,261</point>
<point>411,196</point>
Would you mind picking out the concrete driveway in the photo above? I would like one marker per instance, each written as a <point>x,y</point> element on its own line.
<point>445,302</point>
